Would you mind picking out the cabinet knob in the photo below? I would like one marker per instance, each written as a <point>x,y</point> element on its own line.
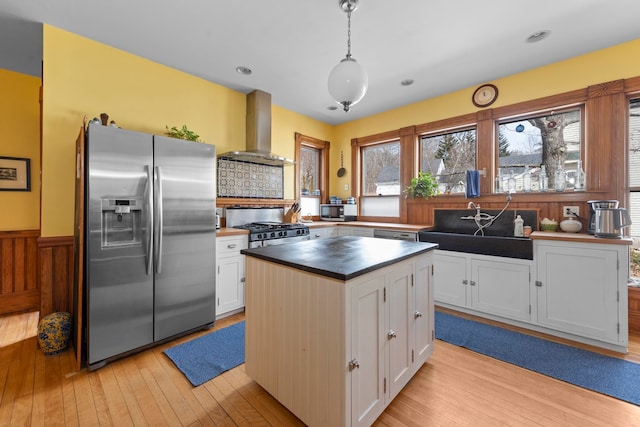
<point>242,280</point>
<point>465,281</point>
<point>472,283</point>
<point>391,334</point>
<point>417,315</point>
<point>353,364</point>
<point>317,236</point>
<point>232,246</point>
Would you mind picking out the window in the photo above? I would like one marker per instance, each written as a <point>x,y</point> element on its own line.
<point>312,179</point>
<point>551,139</point>
<point>634,167</point>
<point>448,156</point>
<point>309,168</point>
<point>381,169</point>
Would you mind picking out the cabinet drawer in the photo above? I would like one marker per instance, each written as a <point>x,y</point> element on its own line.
<point>230,245</point>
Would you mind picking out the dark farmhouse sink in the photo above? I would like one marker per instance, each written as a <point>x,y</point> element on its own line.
<point>510,247</point>
<point>452,233</point>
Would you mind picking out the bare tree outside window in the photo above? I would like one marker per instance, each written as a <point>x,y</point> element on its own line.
<point>448,156</point>
<point>551,139</point>
<point>381,169</point>
<point>309,165</point>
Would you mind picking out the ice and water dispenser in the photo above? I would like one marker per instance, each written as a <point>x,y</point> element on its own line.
<point>121,222</point>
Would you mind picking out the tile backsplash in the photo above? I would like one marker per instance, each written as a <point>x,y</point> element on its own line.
<point>250,180</point>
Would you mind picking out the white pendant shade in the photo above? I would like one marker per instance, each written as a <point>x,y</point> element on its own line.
<point>348,82</point>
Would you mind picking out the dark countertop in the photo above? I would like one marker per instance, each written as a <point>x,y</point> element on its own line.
<point>341,258</point>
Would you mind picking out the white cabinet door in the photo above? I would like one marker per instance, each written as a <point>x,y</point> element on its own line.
<point>400,328</point>
<point>230,287</point>
<point>230,273</point>
<point>355,231</point>
<point>578,290</point>
<point>450,278</point>
<point>322,233</point>
<point>368,351</point>
<point>423,311</point>
<point>501,288</point>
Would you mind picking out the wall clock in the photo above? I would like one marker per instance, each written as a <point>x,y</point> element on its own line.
<point>485,95</point>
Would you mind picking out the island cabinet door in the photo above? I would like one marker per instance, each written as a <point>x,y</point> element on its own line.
<point>423,315</point>
<point>367,351</point>
<point>401,327</point>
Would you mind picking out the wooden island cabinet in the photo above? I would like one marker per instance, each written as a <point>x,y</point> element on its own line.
<point>335,328</point>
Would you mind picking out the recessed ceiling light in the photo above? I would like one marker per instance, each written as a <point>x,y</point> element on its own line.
<point>332,108</point>
<point>407,82</point>
<point>538,35</point>
<point>243,70</point>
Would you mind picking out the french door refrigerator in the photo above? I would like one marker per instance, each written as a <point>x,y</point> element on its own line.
<point>149,240</point>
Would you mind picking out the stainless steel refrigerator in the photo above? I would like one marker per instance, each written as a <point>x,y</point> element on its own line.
<point>149,239</point>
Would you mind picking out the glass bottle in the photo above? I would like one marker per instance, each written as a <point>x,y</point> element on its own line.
<point>526,180</point>
<point>511,183</point>
<point>560,178</point>
<point>543,179</point>
<point>499,188</point>
<point>580,178</point>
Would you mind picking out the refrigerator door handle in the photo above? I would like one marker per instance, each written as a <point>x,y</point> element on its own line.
<point>149,201</point>
<point>159,223</point>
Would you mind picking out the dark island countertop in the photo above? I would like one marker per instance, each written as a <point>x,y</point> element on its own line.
<point>341,258</point>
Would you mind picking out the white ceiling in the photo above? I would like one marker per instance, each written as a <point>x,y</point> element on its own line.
<point>292,45</point>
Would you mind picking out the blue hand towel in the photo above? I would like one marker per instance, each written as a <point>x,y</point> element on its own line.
<point>473,184</point>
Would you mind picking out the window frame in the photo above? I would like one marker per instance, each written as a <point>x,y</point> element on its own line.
<point>445,131</point>
<point>323,168</point>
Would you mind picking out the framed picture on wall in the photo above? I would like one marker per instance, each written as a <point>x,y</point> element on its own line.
<point>15,174</point>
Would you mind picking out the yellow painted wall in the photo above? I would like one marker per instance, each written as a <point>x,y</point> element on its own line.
<point>20,124</point>
<point>618,62</point>
<point>83,77</point>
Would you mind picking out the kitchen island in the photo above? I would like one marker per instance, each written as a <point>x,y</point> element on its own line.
<point>336,327</point>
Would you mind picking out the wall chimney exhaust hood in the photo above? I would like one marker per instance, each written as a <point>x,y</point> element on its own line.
<point>258,147</point>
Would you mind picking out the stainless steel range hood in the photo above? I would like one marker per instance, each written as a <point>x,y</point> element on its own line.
<point>258,146</point>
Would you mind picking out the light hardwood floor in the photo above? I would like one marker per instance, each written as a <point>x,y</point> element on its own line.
<point>455,388</point>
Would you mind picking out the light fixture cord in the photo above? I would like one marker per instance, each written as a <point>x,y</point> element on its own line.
<point>349,34</point>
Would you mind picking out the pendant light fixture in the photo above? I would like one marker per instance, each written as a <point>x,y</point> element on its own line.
<point>348,81</point>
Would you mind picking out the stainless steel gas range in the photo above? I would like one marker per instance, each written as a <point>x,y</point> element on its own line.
<point>274,233</point>
<point>265,226</point>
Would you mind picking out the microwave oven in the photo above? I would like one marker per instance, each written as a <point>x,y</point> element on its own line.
<point>334,212</point>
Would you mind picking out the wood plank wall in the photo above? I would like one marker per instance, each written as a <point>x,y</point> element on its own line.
<point>35,273</point>
<point>56,274</point>
<point>19,287</point>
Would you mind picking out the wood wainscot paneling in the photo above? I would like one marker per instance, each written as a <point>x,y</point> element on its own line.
<point>56,274</point>
<point>634,309</point>
<point>19,290</point>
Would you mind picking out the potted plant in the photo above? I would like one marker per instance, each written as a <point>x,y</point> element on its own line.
<point>424,185</point>
<point>183,133</point>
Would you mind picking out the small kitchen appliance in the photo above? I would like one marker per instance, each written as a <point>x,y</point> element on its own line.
<point>339,212</point>
<point>610,222</point>
<point>593,205</point>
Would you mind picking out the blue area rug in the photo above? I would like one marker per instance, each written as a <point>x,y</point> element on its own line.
<point>210,355</point>
<point>607,375</point>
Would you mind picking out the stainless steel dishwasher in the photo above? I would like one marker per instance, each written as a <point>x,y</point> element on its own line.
<point>396,235</point>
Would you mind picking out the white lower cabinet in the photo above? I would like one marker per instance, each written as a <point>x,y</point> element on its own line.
<point>575,290</point>
<point>323,232</point>
<point>582,289</point>
<point>391,336</point>
<point>230,274</point>
<point>355,231</point>
<point>496,286</point>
